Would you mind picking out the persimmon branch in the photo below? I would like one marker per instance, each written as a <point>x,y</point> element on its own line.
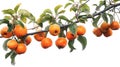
<point>95,14</point>
<point>36,32</point>
<point>89,16</point>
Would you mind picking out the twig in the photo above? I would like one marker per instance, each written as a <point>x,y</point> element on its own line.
<point>36,32</point>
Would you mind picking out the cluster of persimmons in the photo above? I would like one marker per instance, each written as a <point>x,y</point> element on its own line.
<point>106,29</point>
<point>19,45</point>
<point>19,40</point>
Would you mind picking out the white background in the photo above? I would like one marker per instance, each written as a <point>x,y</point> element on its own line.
<point>100,52</point>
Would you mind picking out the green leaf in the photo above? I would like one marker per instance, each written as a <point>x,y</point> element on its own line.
<point>95,21</point>
<point>101,3</point>
<point>71,0</point>
<point>85,8</point>
<point>7,17</point>
<point>10,27</point>
<point>98,8</point>
<point>4,21</point>
<point>25,13</point>
<point>62,11</point>
<point>41,20</point>
<point>40,24</point>
<point>62,34</point>
<point>116,0</point>
<point>20,23</point>
<point>44,18</point>
<point>24,19</point>
<point>62,28</point>
<point>64,18</point>
<point>8,11</point>
<point>95,5</point>
<point>13,55</point>
<point>42,15</point>
<point>73,8</point>
<point>111,17</point>
<point>67,4</point>
<point>60,22</point>
<point>31,17</point>
<point>5,44</point>
<point>47,11</point>
<point>73,18</point>
<point>73,28</point>
<point>8,54</point>
<point>70,44</point>
<point>57,8</point>
<point>104,16</point>
<point>83,18</point>
<point>17,7</point>
<point>81,1</point>
<point>83,41</point>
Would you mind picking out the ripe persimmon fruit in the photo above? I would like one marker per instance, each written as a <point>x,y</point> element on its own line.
<point>40,36</point>
<point>104,27</point>
<point>5,33</point>
<point>21,48</point>
<point>61,42</point>
<point>70,35</point>
<point>114,25</point>
<point>20,31</point>
<point>54,29</point>
<point>108,32</point>
<point>81,30</point>
<point>12,44</point>
<point>28,40</point>
<point>46,42</point>
<point>97,32</point>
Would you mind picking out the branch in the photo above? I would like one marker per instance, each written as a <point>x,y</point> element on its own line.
<point>36,32</point>
<point>93,15</point>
